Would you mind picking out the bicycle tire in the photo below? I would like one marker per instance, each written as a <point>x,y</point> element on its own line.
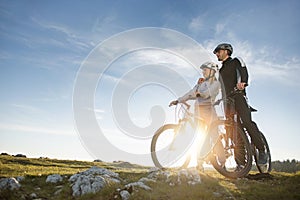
<point>268,166</point>
<point>232,169</point>
<point>154,154</point>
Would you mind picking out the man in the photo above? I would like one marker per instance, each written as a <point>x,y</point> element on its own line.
<point>234,74</point>
<point>205,92</point>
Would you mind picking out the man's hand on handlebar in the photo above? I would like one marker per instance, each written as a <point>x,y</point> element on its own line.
<point>172,103</point>
<point>241,86</point>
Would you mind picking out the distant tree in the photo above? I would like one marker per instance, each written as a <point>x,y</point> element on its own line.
<point>286,166</point>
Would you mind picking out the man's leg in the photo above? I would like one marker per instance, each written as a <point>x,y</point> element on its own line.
<point>245,114</point>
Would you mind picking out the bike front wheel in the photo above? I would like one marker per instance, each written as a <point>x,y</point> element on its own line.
<point>232,156</point>
<point>265,168</point>
<point>165,151</point>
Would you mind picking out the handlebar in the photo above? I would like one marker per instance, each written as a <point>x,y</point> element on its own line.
<point>184,103</point>
<point>230,94</point>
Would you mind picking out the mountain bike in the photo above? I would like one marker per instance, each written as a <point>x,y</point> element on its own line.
<point>237,147</point>
<point>233,140</point>
<point>237,143</point>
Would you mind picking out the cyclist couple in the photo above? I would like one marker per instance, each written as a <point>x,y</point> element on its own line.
<point>233,74</point>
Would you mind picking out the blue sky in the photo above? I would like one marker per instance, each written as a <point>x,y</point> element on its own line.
<point>44,43</point>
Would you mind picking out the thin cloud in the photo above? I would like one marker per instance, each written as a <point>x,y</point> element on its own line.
<point>259,60</point>
<point>219,28</point>
<point>140,63</point>
<point>53,26</point>
<point>286,73</point>
<point>26,107</point>
<point>35,129</point>
<point>72,37</point>
<point>196,24</point>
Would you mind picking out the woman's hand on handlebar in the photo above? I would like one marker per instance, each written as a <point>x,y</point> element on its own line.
<point>172,103</point>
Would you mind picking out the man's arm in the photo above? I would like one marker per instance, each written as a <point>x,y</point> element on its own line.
<point>243,72</point>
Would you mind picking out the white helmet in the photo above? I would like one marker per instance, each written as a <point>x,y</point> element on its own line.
<point>209,65</point>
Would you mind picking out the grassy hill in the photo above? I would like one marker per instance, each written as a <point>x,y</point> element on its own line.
<point>213,186</point>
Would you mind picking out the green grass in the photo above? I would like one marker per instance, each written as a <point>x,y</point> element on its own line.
<point>213,186</point>
<point>15,166</point>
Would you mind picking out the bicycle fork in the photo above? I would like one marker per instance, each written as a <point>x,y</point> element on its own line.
<point>231,135</point>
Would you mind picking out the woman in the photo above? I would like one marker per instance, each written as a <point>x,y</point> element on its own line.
<point>205,92</point>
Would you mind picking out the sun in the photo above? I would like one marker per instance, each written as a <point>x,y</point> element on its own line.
<point>199,148</point>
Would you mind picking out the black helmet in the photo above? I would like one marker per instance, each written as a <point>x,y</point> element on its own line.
<point>224,46</point>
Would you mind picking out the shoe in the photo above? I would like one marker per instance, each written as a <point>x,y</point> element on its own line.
<point>262,158</point>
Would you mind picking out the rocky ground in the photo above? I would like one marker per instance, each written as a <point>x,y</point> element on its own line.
<point>95,179</point>
<point>44,178</point>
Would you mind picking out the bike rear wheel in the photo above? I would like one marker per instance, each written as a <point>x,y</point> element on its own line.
<point>265,168</point>
<point>234,158</point>
<point>163,151</point>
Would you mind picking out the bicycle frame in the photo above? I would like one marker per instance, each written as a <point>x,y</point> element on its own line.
<point>232,121</point>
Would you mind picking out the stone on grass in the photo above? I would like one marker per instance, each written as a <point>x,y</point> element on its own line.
<point>54,178</point>
<point>139,184</point>
<point>9,183</point>
<point>92,180</point>
<point>125,195</point>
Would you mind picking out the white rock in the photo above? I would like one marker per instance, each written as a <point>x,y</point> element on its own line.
<point>153,169</point>
<point>182,174</point>
<point>139,184</point>
<point>33,195</point>
<point>145,180</point>
<point>9,183</point>
<point>158,173</point>
<point>97,184</point>
<point>57,192</point>
<point>114,180</point>
<point>190,175</point>
<point>125,195</point>
<point>74,177</point>
<point>76,189</point>
<point>54,178</point>
<point>92,180</point>
<point>194,177</point>
<point>166,175</point>
<point>172,184</point>
<point>100,171</point>
<point>86,188</point>
<point>217,194</point>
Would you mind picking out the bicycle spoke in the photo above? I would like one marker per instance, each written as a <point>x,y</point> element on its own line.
<point>169,148</point>
<point>237,152</point>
